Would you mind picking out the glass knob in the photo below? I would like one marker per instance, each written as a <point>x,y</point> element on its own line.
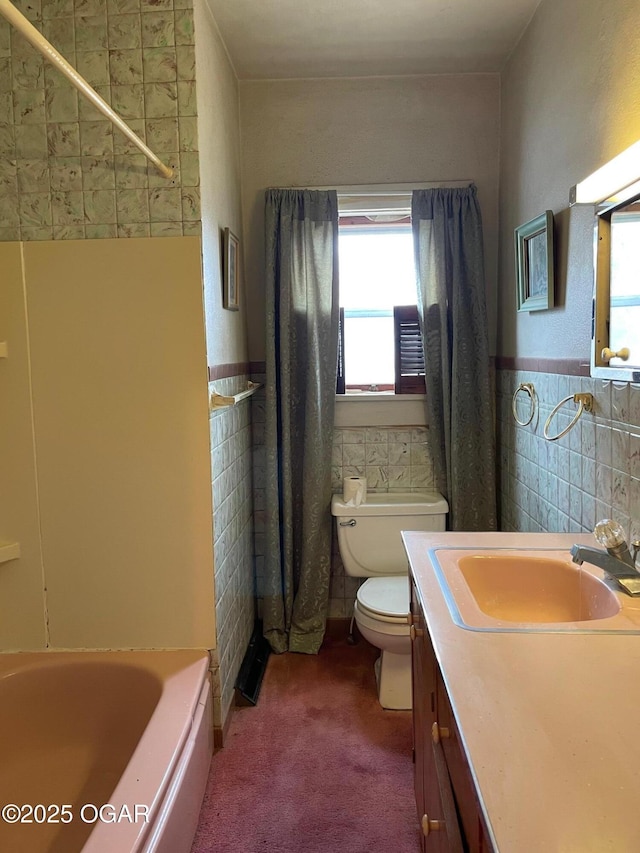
<point>609,533</point>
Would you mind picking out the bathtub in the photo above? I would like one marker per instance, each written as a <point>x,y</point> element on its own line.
<point>103,752</point>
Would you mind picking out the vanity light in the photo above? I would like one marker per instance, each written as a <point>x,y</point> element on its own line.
<point>618,174</point>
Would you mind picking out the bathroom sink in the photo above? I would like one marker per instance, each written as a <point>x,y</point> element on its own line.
<point>533,590</point>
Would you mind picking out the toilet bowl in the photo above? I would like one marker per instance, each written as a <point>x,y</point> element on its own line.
<point>371,547</point>
<point>380,612</point>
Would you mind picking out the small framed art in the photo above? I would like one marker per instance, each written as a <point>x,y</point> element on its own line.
<point>534,263</point>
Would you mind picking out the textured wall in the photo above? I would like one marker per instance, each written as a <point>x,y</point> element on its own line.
<point>365,131</point>
<point>218,125</point>
<point>570,96</point>
<point>65,171</point>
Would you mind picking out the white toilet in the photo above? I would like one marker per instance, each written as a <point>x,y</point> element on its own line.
<point>371,547</point>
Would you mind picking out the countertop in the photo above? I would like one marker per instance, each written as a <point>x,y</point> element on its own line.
<point>550,723</point>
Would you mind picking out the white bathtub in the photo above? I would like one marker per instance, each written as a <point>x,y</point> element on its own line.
<point>103,752</point>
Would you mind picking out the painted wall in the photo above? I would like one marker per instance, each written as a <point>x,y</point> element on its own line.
<point>570,98</point>
<point>65,172</point>
<point>219,132</point>
<point>570,95</point>
<point>364,131</point>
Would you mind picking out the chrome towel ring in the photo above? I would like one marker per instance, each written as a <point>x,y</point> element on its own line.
<point>585,403</point>
<point>526,388</point>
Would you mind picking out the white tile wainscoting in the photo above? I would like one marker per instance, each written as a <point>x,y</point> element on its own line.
<point>231,466</point>
<point>591,473</point>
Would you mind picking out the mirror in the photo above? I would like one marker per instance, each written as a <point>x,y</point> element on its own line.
<point>616,320</point>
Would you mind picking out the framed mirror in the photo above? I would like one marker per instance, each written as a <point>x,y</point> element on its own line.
<point>616,313</point>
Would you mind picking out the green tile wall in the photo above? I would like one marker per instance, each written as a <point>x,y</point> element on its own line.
<point>65,171</point>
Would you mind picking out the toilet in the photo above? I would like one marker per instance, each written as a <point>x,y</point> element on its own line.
<point>371,547</point>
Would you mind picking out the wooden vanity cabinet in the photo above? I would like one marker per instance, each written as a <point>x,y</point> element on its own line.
<point>446,801</point>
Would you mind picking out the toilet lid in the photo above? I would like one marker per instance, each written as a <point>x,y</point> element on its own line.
<point>388,596</point>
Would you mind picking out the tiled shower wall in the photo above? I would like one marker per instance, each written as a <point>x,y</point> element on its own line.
<point>231,464</point>
<point>65,171</point>
<point>591,473</point>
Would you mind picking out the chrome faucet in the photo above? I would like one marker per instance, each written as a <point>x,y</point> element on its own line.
<point>616,561</point>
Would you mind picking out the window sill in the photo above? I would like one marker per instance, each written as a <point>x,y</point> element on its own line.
<point>384,396</point>
<point>380,409</point>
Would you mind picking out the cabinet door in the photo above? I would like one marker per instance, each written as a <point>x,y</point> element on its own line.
<point>424,667</point>
<point>472,825</point>
<point>423,690</point>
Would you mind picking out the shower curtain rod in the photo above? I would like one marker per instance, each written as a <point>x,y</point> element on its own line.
<point>34,37</point>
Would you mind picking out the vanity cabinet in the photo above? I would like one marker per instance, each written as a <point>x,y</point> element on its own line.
<point>446,801</point>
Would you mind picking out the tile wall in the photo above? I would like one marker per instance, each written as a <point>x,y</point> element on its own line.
<point>258,427</point>
<point>391,458</point>
<point>231,464</point>
<point>591,473</point>
<point>65,171</point>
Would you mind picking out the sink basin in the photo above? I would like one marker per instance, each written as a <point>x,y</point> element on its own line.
<point>507,590</point>
<point>535,589</point>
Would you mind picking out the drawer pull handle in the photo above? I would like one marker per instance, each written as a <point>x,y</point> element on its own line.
<point>429,825</point>
<point>415,632</point>
<point>439,733</point>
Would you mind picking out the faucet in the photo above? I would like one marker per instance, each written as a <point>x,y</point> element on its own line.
<point>617,561</point>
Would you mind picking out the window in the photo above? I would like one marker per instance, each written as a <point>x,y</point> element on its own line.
<point>380,343</point>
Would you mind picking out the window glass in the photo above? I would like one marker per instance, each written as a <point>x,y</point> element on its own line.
<point>376,273</point>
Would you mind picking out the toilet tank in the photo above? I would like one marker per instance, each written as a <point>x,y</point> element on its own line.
<point>369,534</point>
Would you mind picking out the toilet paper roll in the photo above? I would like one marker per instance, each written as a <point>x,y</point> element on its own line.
<point>354,491</point>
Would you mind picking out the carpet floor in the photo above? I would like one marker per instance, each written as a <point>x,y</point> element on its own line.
<point>316,767</point>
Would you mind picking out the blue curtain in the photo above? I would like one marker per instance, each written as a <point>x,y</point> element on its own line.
<point>301,281</point>
<point>447,230</point>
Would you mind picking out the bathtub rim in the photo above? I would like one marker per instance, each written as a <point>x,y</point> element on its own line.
<point>182,673</point>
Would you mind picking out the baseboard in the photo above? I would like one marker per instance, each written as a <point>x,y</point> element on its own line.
<point>337,628</point>
<point>220,733</point>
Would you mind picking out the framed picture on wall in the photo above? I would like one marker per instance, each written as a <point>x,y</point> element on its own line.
<point>231,271</point>
<point>534,263</point>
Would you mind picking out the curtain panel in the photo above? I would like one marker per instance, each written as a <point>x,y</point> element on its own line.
<point>301,282</point>
<point>449,258</point>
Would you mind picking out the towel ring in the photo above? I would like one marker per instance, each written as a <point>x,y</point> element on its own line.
<point>585,404</point>
<point>527,388</point>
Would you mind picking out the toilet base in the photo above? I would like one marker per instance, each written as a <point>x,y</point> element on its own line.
<point>393,677</point>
